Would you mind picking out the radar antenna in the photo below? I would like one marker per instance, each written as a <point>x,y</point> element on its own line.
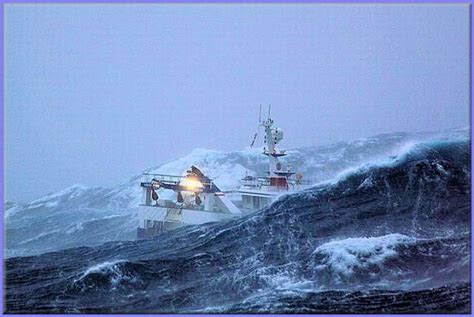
<point>258,129</point>
<point>260,115</point>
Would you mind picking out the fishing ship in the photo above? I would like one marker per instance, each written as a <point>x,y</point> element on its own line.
<point>198,200</point>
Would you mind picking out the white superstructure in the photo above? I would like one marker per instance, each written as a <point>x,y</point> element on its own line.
<point>199,200</point>
<point>257,192</point>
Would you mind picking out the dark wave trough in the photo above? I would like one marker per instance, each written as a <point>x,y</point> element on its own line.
<point>392,237</point>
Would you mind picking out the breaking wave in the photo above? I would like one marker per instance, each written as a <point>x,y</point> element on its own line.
<point>389,237</point>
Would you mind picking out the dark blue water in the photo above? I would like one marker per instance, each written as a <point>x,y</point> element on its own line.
<point>393,237</point>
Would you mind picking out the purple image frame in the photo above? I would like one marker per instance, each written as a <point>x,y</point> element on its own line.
<point>223,2</point>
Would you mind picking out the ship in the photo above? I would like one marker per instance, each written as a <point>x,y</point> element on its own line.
<point>199,200</point>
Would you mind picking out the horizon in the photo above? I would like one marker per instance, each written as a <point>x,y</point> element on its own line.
<point>96,93</point>
<point>254,149</point>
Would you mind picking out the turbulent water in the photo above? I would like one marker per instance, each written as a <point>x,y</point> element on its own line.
<point>88,216</point>
<point>388,237</point>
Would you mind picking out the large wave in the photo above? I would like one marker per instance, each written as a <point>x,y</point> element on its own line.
<point>390,233</point>
<point>88,216</point>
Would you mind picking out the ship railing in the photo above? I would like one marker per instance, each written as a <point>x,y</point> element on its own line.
<point>264,184</point>
<point>300,182</point>
<point>173,205</point>
<point>166,178</point>
<point>269,188</point>
<point>265,181</point>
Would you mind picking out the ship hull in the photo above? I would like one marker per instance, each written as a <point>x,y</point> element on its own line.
<point>155,220</point>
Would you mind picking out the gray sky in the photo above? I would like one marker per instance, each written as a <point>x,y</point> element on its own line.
<point>97,93</point>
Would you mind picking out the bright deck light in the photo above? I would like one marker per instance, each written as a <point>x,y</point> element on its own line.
<point>191,184</point>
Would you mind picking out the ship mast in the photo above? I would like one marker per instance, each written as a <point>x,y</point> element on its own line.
<point>273,135</point>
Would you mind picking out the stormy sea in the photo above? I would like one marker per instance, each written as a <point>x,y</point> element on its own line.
<point>389,236</point>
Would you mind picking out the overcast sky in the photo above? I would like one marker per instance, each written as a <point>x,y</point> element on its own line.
<point>97,93</point>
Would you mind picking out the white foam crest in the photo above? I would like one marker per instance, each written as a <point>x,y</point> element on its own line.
<point>9,211</point>
<point>102,267</point>
<point>40,236</point>
<point>108,267</point>
<point>51,200</point>
<point>344,256</point>
<point>387,160</point>
<point>75,227</point>
<point>212,163</point>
